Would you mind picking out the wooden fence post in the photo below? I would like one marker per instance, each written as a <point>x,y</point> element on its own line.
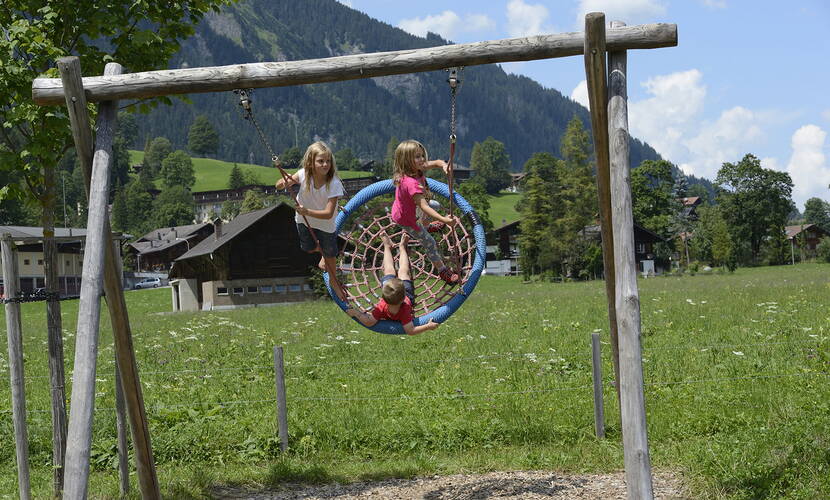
<point>18,389</point>
<point>633,410</point>
<point>599,411</point>
<point>282,414</point>
<point>76,105</point>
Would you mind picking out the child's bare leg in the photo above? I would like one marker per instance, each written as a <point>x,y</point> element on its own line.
<point>388,259</point>
<point>329,264</point>
<point>404,271</point>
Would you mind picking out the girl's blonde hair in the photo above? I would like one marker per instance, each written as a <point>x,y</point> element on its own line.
<point>311,153</point>
<point>405,160</point>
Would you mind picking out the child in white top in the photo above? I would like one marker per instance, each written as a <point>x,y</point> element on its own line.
<point>320,188</point>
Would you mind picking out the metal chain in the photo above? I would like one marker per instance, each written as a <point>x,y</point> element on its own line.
<point>248,114</point>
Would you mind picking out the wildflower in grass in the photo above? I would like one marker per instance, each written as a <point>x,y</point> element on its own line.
<point>737,353</point>
<point>690,302</point>
<point>339,337</point>
<point>191,337</point>
<point>354,342</point>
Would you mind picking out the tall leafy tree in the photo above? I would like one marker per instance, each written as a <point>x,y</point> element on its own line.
<point>177,170</point>
<point>292,157</point>
<point>653,196</point>
<point>755,202</point>
<point>174,206</point>
<point>158,149</point>
<point>817,211</point>
<point>475,194</point>
<point>345,160</point>
<point>491,164</point>
<point>139,203</point>
<point>254,200</point>
<point>535,223</point>
<point>202,138</point>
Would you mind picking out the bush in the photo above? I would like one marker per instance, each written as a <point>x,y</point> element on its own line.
<point>823,249</point>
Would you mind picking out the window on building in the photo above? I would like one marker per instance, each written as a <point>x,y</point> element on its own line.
<point>67,262</point>
<point>25,262</point>
<point>294,288</point>
<point>40,262</point>
<point>641,248</point>
<point>307,287</point>
<point>238,290</point>
<point>266,289</point>
<point>280,288</point>
<point>222,290</point>
<point>253,289</point>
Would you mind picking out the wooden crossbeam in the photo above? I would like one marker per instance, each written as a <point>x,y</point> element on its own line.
<point>49,91</point>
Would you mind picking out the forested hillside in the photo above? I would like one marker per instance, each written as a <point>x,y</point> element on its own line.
<point>362,115</point>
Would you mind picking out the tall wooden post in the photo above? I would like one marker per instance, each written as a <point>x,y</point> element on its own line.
<point>54,327</point>
<point>598,99</point>
<point>633,409</point>
<point>81,132</point>
<point>15,338</point>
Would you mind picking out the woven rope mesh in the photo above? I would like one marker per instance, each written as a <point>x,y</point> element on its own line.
<point>361,265</point>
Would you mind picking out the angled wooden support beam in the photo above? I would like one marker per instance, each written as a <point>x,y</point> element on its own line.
<point>49,91</point>
<point>633,409</point>
<point>103,272</point>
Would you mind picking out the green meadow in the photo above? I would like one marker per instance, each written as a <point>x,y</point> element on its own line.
<point>735,367</point>
<point>213,174</point>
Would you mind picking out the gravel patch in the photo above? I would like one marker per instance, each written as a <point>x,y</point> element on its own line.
<point>518,484</point>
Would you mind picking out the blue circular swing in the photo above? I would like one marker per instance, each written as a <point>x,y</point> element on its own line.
<point>363,256</point>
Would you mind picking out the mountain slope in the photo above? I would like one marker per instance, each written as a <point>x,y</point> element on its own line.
<point>362,114</point>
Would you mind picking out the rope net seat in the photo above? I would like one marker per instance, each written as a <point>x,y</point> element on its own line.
<point>362,222</point>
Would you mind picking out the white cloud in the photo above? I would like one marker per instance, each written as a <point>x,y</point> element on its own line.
<point>525,19</point>
<point>448,24</point>
<point>808,166</point>
<point>727,139</point>
<point>628,11</point>
<point>668,116</point>
<point>580,93</point>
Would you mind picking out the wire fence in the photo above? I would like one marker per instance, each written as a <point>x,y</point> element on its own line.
<point>583,356</point>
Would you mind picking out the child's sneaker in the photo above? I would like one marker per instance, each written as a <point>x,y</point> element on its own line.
<point>449,276</point>
<point>435,226</point>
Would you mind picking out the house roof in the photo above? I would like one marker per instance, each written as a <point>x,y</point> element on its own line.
<point>171,233</point>
<point>691,200</point>
<point>229,231</point>
<point>793,231</point>
<point>31,234</point>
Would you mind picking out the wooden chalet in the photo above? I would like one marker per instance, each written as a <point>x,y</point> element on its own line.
<point>252,260</point>
<point>805,237</point>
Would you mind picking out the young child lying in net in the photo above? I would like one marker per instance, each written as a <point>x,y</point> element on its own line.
<point>398,294</point>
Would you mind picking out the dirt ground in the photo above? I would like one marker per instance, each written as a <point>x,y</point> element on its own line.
<point>519,484</point>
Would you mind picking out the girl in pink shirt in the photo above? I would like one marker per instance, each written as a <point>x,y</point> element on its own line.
<point>413,194</point>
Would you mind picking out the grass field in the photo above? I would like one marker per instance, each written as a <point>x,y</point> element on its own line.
<point>503,208</point>
<point>735,367</point>
<point>213,174</point>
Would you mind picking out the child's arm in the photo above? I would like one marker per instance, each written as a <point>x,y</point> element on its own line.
<point>423,203</point>
<point>365,319</point>
<point>411,329</point>
<point>326,213</point>
<point>438,164</point>
<point>292,179</point>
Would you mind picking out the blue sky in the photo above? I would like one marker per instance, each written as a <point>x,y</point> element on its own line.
<point>746,77</point>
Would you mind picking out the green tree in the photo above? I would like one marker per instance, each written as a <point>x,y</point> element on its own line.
<point>158,149</point>
<point>254,200</point>
<point>823,249</point>
<point>653,196</point>
<point>236,180</point>
<point>817,211</point>
<point>202,138</point>
<point>755,202</point>
<point>118,215</point>
<point>534,225</point>
<point>174,206</point>
<point>476,196</point>
<point>491,164</point>
<point>383,170</point>
<point>139,204</point>
<point>177,170</point>
<point>345,160</point>
<point>230,209</point>
<point>292,157</point>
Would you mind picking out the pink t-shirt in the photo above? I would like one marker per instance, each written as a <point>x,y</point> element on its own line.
<point>403,208</point>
